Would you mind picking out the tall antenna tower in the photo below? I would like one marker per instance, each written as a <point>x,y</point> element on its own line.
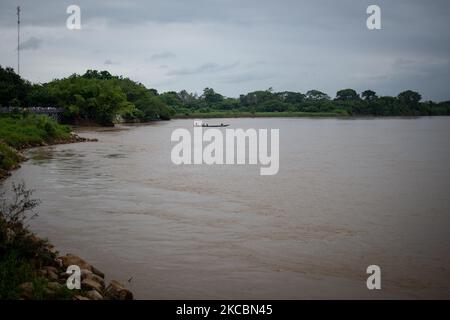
<point>18,40</point>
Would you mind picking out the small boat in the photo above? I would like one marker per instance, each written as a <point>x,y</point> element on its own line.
<point>199,123</point>
<point>215,125</point>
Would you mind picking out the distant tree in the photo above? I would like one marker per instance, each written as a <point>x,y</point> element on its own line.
<point>290,97</point>
<point>369,95</point>
<point>94,74</point>
<point>347,95</point>
<point>410,98</point>
<point>153,91</point>
<point>316,95</point>
<point>211,97</point>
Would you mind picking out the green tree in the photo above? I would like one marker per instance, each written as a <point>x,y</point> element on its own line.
<point>410,98</point>
<point>347,95</point>
<point>211,97</point>
<point>316,95</point>
<point>369,95</point>
<point>13,88</point>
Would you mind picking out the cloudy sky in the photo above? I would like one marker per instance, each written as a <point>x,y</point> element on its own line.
<point>236,46</point>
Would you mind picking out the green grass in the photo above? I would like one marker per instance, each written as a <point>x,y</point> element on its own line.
<point>9,157</point>
<point>21,131</point>
<point>242,114</point>
<point>24,131</point>
<point>15,270</point>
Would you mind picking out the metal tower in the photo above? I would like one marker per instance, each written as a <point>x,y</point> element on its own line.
<point>18,40</point>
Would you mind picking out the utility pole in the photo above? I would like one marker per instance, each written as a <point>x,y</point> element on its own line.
<point>18,40</point>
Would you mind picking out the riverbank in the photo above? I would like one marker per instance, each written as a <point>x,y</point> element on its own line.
<point>239,114</point>
<point>19,133</point>
<point>31,267</point>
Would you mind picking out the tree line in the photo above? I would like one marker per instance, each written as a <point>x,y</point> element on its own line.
<point>103,98</point>
<point>347,102</point>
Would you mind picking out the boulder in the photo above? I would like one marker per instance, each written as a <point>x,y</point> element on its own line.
<point>86,274</point>
<point>70,259</point>
<point>49,293</point>
<point>52,276</point>
<point>50,268</point>
<point>55,286</point>
<point>94,295</point>
<point>91,284</point>
<point>98,272</point>
<point>26,290</point>
<point>42,273</point>
<point>116,291</point>
<point>59,263</point>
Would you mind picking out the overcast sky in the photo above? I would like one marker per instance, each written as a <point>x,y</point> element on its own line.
<point>237,46</point>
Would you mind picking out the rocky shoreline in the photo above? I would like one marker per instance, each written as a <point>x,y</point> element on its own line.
<point>93,285</point>
<point>48,265</point>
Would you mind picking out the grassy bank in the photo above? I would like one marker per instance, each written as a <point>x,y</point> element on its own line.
<point>18,132</point>
<point>241,114</point>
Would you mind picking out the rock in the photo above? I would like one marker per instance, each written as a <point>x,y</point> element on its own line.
<point>86,274</point>
<point>51,248</point>
<point>78,297</point>
<point>49,293</point>
<point>116,291</point>
<point>98,272</point>
<point>34,239</point>
<point>43,273</point>
<point>52,276</point>
<point>91,284</point>
<point>70,259</point>
<point>62,277</point>
<point>54,286</point>
<point>50,268</point>
<point>94,295</point>
<point>26,290</point>
<point>59,262</point>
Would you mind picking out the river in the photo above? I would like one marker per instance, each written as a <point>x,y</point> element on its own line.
<point>349,193</point>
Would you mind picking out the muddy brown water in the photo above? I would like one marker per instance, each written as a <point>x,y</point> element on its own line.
<point>349,194</point>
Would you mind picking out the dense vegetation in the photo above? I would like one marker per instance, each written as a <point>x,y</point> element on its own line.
<point>98,96</point>
<point>314,102</point>
<point>95,97</point>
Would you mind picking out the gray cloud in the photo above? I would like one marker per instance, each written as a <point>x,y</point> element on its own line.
<point>109,62</point>
<point>163,55</point>
<point>286,44</point>
<point>31,44</point>
<point>245,77</point>
<point>204,68</point>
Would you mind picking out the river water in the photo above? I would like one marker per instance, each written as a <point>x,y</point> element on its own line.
<point>349,194</point>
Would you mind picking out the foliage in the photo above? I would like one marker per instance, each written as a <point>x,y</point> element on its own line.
<point>29,130</point>
<point>13,89</point>
<point>100,97</point>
